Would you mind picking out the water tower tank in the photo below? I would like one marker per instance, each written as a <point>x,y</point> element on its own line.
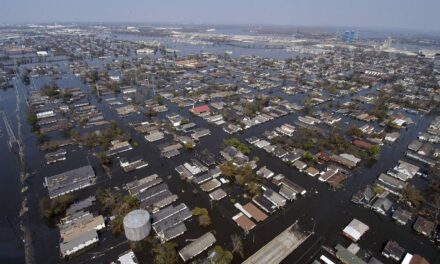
<point>137,225</point>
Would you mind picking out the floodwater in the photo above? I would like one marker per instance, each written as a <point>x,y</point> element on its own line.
<point>326,213</point>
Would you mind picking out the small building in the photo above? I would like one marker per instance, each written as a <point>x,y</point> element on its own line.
<point>256,213</point>
<point>265,173</point>
<point>345,256</point>
<point>244,222</point>
<point>274,197</point>
<point>393,250</point>
<point>414,259</point>
<point>78,243</point>
<point>265,204</point>
<point>392,137</point>
<point>382,205</point>
<point>391,184</point>
<point>300,165</point>
<point>127,258</point>
<point>217,194</point>
<point>402,216</point>
<point>364,196</point>
<point>210,185</point>
<point>200,110</point>
<point>311,171</point>
<point>424,226</point>
<point>355,230</point>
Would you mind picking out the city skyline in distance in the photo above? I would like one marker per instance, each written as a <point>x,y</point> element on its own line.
<point>392,14</point>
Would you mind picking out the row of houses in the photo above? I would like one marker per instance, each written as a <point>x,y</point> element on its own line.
<point>79,228</point>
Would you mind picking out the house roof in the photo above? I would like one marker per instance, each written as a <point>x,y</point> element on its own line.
<point>200,109</point>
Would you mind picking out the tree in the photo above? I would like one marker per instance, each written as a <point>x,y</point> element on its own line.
<point>243,148</point>
<point>57,206</point>
<point>165,253</point>
<point>221,256</point>
<point>375,150</point>
<point>199,211</point>
<point>117,225</point>
<point>355,131</point>
<point>160,99</point>
<point>189,145</point>
<point>204,220</point>
<point>413,195</point>
<point>308,156</point>
<point>103,158</point>
<point>203,216</point>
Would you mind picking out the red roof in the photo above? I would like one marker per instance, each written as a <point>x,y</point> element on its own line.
<point>323,156</point>
<point>362,144</point>
<point>200,109</point>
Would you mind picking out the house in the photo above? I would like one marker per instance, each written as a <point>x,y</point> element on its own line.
<point>414,259</point>
<point>279,152</point>
<point>127,258</point>
<point>252,140</point>
<point>274,197</point>
<point>217,195</point>
<point>391,184</point>
<point>364,196</point>
<point>351,158</point>
<point>300,165</point>
<point>312,171</point>
<point>199,133</point>
<point>326,175</point>
<point>393,250</point>
<point>344,161</point>
<point>392,137</point>
<point>265,173</point>
<point>262,144</point>
<point>362,144</point>
<point>426,149</point>
<point>355,230</point>
<point>78,243</point>
<point>382,205</point>
<point>292,157</point>
<point>408,169</point>
<point>197,246</point>
<point>424,226</point>
<point>256,213</point>
<point>118,147</point>
<point>295,188</point>
<point>244,222</point>
<point>202,110</point>
<point>415,145</point>
<point>264,204</point>
<point>70,181</point>
<point>402,216</point>
<point>345,256</point>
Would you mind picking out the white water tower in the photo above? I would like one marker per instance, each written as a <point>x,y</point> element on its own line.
<point>137,225</point>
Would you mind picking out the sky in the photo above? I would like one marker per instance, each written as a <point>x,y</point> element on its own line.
<point>386,14</point>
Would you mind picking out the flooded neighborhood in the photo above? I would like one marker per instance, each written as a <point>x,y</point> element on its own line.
<point>127,143</point>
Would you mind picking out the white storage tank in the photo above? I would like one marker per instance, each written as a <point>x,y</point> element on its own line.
<point>137,225</point>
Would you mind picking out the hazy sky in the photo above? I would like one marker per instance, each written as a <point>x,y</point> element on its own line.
<point>411,14</point>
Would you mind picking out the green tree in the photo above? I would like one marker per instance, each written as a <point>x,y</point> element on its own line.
<point>375,150</point>
<point>165,253</point>
<point>221,256</point>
